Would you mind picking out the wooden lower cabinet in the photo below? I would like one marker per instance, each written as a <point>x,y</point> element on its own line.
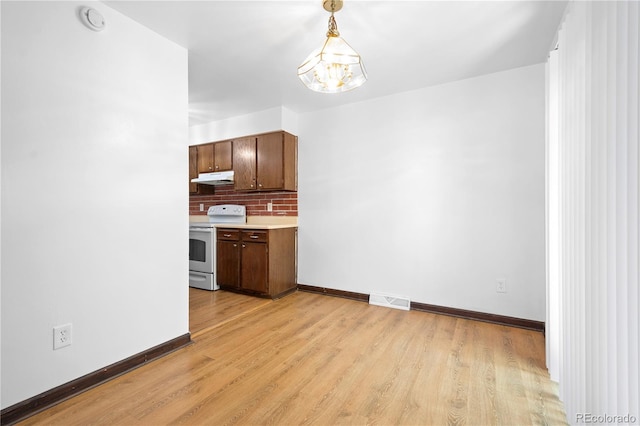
<point>258,262</point>
<point>254,267</point>
<point>228,260</point>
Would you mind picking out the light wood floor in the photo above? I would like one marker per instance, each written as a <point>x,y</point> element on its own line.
<point>315,359</point>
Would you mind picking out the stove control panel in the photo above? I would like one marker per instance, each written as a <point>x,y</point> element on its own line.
<point>227,210</point>
<point>227,213</point>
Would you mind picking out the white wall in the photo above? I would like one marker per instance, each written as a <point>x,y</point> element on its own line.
<point>269,120</point>
<point>433,194</point>
<point>94,218</point>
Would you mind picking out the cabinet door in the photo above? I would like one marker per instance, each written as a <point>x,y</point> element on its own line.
<point>194,188</point>
<point>253,273</point>
<point>223,156</point>
<point>205,158</point>
<point>244,167</point>
<point>270,161</point>
<point>193,169</point>
<point>228,263</point>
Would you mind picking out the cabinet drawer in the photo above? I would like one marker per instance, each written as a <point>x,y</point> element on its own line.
<point>250,235</point>
<point>228,234</point>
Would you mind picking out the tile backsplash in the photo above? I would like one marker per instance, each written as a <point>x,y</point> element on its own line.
<point>285,203</point>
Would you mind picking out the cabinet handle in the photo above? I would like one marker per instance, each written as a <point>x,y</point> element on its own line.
<point>235,245</point>
<point>226,235</point>
<point>243,246</point>
<point>253,236</point>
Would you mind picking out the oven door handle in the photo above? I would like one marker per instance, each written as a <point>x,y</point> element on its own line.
<point>201,230</point>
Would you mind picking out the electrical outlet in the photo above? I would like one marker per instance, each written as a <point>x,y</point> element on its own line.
<point>501,286</point>
<point>201,207</point>
<point>61,336</point>
<point>269,206</point>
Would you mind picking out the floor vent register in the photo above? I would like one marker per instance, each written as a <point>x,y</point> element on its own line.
<point>390,301</point>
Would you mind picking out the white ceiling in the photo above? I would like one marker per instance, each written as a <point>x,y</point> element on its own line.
<point>243,55</point>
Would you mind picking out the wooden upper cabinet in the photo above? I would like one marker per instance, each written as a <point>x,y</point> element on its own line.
<point>289,162</point>
<point>223,156</point>
<point>215,157</point>
<point>205,158</point>
<point>266,162</point>
<point>194,188</point>
<point>270,158</point>
<point>244,170</point>
<point>193,169</point>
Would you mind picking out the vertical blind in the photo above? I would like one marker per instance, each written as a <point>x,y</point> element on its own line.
<point>592,212</point>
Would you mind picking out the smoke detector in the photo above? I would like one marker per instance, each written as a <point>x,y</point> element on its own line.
<point>92,19</point>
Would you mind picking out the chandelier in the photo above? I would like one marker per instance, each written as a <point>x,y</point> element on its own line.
<point>335,67</point>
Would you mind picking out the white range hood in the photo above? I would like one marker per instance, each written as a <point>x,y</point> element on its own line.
<point>215,178</point>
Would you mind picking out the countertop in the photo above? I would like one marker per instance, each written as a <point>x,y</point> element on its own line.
<point>255,225</point>
<point>254,222</point>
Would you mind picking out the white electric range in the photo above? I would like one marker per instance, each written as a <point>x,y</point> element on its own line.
<point>202,244</point>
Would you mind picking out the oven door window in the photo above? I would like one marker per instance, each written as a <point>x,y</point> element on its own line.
<point>201,250</point>
<point>197,250</point>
